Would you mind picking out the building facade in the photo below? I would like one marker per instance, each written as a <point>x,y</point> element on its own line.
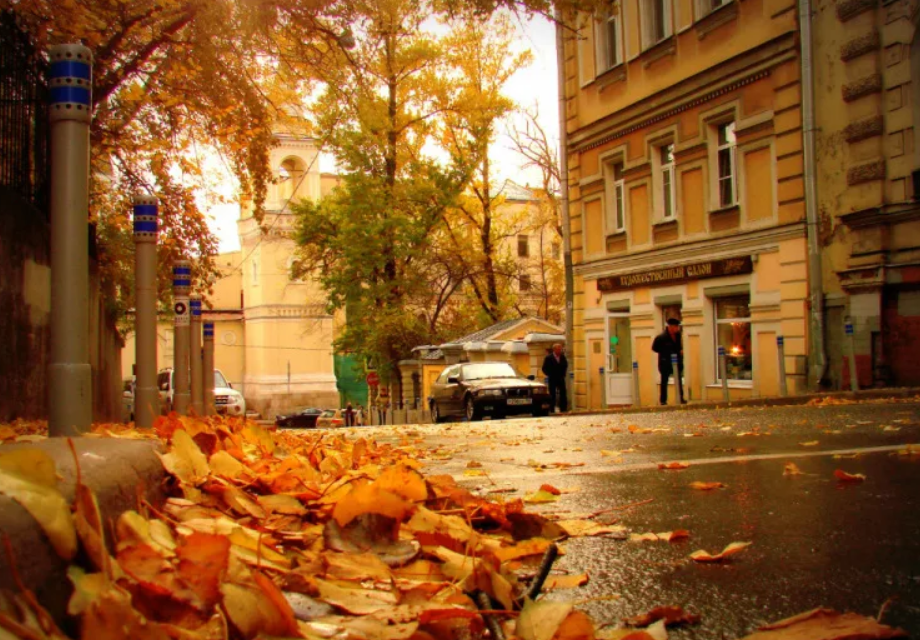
<point>867,93</point>
<point>272,335</point>
<point>686,196</point>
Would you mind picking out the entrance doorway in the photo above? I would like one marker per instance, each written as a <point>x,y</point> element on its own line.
<point>619,360</point>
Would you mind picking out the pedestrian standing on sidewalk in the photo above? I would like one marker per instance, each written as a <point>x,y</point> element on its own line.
<point>670,342</point>
<point>555,367</point>
<point>359,416</point>
<point>349,415</point>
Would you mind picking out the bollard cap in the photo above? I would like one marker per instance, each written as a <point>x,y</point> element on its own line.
<point>70,81</point>
<point>182,277</point>
<point>194,305</point>
<point>146,210</point>
<point>721,351</point>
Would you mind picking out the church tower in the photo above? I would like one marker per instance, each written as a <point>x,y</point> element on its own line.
<point>288,354</point>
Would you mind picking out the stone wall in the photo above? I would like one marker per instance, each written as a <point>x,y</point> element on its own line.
<point>25,301</point>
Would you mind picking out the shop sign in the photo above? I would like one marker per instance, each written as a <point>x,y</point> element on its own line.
<point>675,275</point>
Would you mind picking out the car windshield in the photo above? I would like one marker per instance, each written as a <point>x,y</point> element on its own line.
<point>488,370</point>
<point>219,380</point>
<point>328,413</point>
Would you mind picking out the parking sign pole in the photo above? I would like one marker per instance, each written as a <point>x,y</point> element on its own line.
<point>146,395</point>
<point>182,284</point>
<point>637,397</point>
<point>851,353</point>
<point>723,373</point>
<point>194,356</point>
<point>70,381</point>
<point>781,355</point>
<point>207,364</point>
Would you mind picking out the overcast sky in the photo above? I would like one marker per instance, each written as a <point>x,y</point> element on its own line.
<point>534,85</point>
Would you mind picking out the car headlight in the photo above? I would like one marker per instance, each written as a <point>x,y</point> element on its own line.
<point>489,392</point>
<point>235,398</point>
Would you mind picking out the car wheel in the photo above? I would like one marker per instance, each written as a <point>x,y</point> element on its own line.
<point>436,416</point>
<point>472,414</point>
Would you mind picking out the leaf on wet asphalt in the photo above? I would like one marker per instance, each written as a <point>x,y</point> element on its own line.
<point>577,528</point>
<point>576,626</point>
<point>533,547</point>
<point>666,536</point>
<point>258,607</point>
<point>474,464</point>
<point>540,620</point>
<point>355,599</point>
<point>810,443</point>
<point>550,489</point>
<point>474,473</point>
<point>566,582</point>
<point>790,469</point>
<point>655,631</point>
<point>672,466</point>
<point>541,497</point>
<point>910,450</point>
<point>634,428</point>
<point>727,552</point>
<point>843,476</point>
<point>672,616</point>
<point>371,532</point>
<point>889,428</point>
<point>826,624</point>
<point>707,486</point>
<point>370,498</point>
<point>28,476</point>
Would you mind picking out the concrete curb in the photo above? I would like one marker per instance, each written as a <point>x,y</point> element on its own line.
<point>772,401</point>
<point>119,472</point>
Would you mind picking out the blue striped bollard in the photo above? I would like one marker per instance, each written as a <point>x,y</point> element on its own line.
<point>182,283</point>
<point>146,394</point>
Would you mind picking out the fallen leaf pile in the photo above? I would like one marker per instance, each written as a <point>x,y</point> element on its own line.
<point>272,534</point>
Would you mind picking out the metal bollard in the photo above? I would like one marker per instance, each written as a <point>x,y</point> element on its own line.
<point>851,354</point>
<point>676,373</point>
<point>146,394</point>
<point>781,354</point>
<point>207,364</point>
<point>70,380</point>
<point>194,356</point>
<point>182,282</point>
<point>603,389</point>
<point>637,397</point>
<point>723,373</point>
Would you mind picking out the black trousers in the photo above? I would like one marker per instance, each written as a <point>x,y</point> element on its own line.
<point>665,375</point>
<point>558,385</point>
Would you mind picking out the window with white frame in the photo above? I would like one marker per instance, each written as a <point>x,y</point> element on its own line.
<point>666,174</point>
<point>608,39</point>
<point>733,333</point>
<point>656,21</point>
<point>616,201</point>
<point>726,164</point>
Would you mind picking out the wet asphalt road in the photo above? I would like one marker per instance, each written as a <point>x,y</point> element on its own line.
<point>816,542</point>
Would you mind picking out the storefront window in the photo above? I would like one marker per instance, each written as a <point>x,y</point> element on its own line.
<point>733,332</point>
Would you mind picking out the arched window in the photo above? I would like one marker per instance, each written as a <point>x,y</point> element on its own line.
<point>290,176</point>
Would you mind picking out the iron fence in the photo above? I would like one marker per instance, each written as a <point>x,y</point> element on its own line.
<point>24,142</point>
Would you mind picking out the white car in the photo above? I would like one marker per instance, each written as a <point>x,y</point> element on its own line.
<point>226,398</point>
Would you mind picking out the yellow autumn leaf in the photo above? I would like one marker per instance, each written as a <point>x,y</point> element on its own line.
<point>540,497</point>
<point>185,460</point>
<point>539,620</point>
<point>730,550</point>
<point>28,477</point>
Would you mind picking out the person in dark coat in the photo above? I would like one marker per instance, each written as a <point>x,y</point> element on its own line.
<point>666,344</point>
<point>555,367</point>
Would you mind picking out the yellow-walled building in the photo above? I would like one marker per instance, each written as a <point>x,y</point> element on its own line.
<point>867,99</point>
<point>686,194</point>
<point>272,335</point>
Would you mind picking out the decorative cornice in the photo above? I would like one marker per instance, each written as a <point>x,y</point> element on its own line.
<point>858,46</point>
<point>866,172</point>
<point>848,9</point>
<point>880,216</point>
<point>866,128</point>
<point>715,246</point>
<point>862,87</point>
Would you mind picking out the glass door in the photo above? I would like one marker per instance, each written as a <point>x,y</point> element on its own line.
<point>619,359</point>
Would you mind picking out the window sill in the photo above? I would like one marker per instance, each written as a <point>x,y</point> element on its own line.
<point>617,235</point>
<point>665,223</point>
<point>733,384</point>
<point>659,50</point>
<point>732,208</point>
<point>716,18</point>
<point>611,76</point>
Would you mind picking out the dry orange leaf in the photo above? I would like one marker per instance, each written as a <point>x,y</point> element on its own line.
<point>826,624</point>
<point>672,466</point>
<point>576,626</point>
<point>203,560</point>
<point>566,582</point>
<point>370,499</point>
<point>843,476</point>
<point>790,469</point>
<point>548,488</point>
<point>810,443</point>
<point>707,486</point>
<point>730,550</point>
<point>671,616</point>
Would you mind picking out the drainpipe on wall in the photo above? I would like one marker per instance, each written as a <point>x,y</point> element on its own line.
<point>818,357</point>
<point>564,202</point>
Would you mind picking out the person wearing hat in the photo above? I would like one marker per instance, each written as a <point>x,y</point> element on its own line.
<point>666,344</point>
